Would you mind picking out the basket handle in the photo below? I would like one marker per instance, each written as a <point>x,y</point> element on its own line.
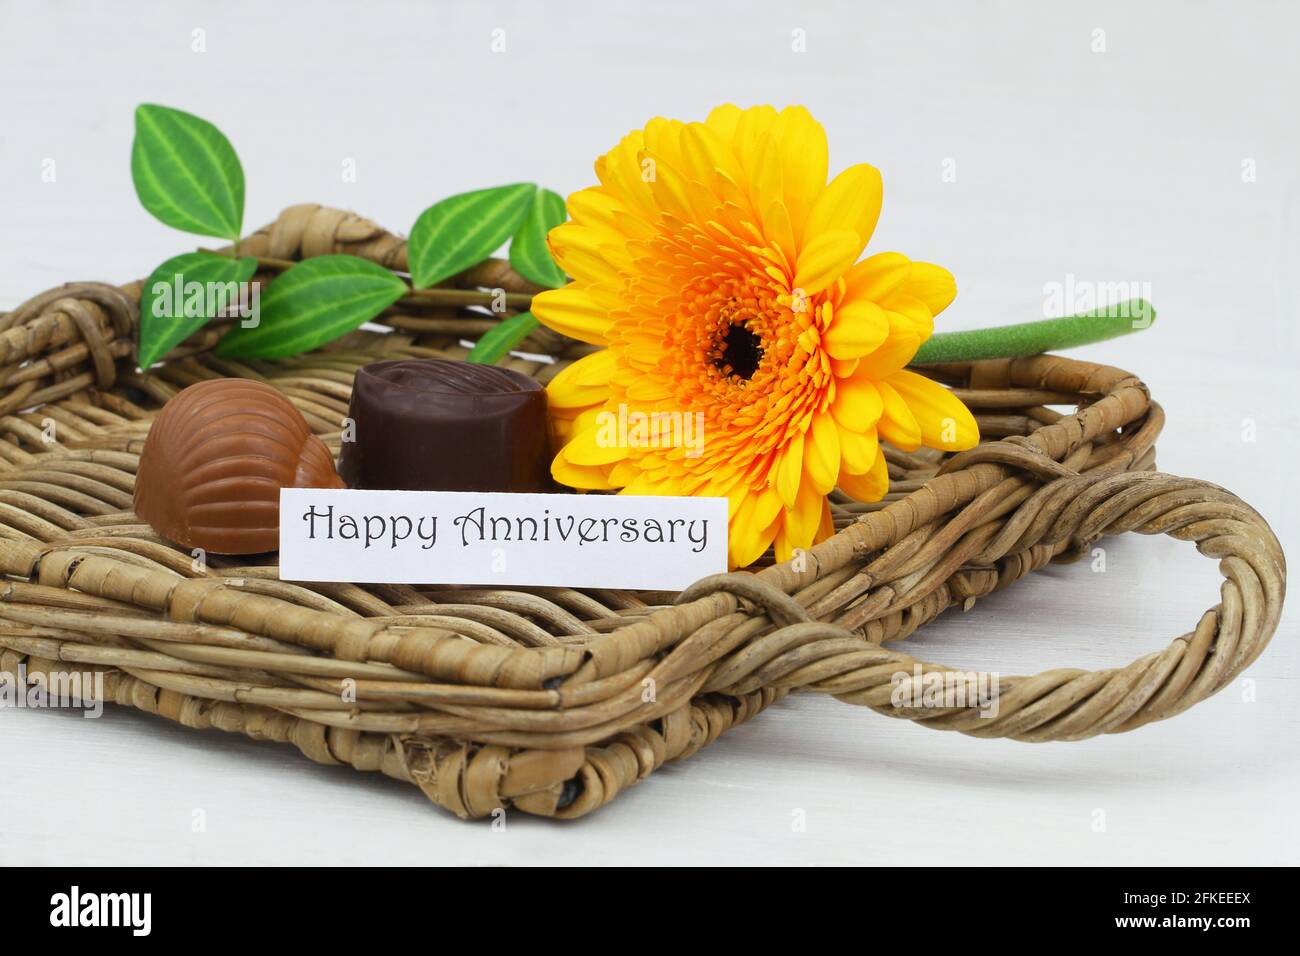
<point>1061,704</point>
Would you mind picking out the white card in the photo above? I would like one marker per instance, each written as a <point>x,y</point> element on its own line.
<point>453,537</point>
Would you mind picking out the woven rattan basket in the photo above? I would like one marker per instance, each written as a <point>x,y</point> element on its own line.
<point>551,700</point>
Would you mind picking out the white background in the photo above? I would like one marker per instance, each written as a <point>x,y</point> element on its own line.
<point>1124,165</point>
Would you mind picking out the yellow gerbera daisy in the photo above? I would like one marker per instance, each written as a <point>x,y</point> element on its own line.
<point>720,272</point>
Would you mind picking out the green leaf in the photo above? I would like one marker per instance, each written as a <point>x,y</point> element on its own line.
<point>186,172</point>
<point>312,303</point>
<point>1033,338</point>
<point>209,283</point>
<point>528,252</point>
<point>497,342</point>
<point>462,231</point>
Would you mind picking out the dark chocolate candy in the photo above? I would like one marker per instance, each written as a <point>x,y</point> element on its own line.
<point>215,460</point>
<point>440,425</point>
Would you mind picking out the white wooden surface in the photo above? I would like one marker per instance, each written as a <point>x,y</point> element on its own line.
<point>1123,165</point>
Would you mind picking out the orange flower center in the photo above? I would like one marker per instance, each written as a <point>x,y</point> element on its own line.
<point>732,349</point>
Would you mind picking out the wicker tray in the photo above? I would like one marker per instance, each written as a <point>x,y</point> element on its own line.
<point>551,701</point>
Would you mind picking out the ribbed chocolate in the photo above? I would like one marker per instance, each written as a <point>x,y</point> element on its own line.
<point>440,425</point>
<point>215,460</point>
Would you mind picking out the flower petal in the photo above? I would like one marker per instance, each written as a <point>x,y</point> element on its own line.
<point>623,473</point>
<point>890,357</point>
<point>596,207</point>
<point>858,451</point>
<point>825,258</point>
<point>753,526</point>
<point>591,477</point>
<point>933,285</point>
<point>648,484</point>
<point>851,201</point>
<point>620,173</point>
<point>582,384</point>
<point>723,120</point>
<point>871,485</point>
<point>877,276</point>
<point>589,253</point>
<point>778,230</point>
<point>801,143</point>
<point>821,459</point>
<point>858,327</point>
<point>897,425</point>
<point>752,129</point>
<point>801,522</point>
<point>671,190</point>
<point>705,153</point>
<point>843,369</point>
<point>749,542</point>
<point>857,404</point>
<point>572,312</point>
<point>825,527</point>
<point>787,475</point>
<point>908,312</point>
<point>945,422</point>
<point>596,446</point>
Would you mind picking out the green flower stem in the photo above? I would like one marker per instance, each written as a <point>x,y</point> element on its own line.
<point>1032,338</point>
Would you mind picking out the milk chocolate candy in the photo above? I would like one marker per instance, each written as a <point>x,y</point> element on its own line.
<point>215,460</point>
<point>440,425</point>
